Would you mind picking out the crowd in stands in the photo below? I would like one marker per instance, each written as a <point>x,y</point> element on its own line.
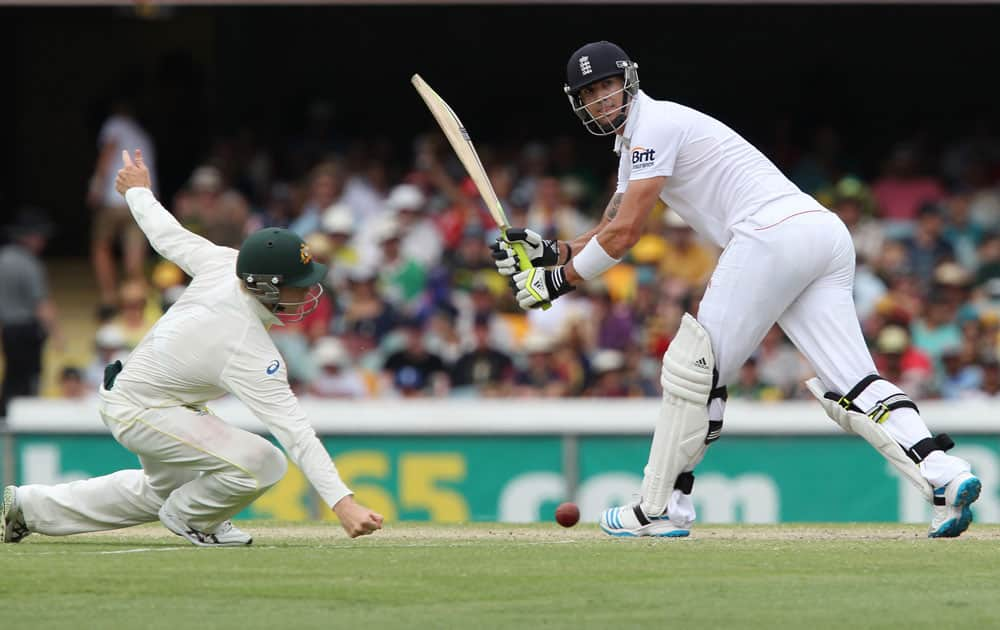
<point>414,307</point>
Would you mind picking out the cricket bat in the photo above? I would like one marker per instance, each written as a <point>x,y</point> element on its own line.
<point>460,141</point>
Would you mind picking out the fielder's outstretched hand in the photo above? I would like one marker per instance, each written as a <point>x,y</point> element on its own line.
<point>356,519</point>
<point>541,252</point>
<point>132,174</point>
<point>537,286</point>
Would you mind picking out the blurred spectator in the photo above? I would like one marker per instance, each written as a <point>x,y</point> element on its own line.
<point>422,240</point>
<point>779,364</point>
<point>402,279</point>
<point>938,329</point>
<point>551,216</point>
<point>71,385</point>
<point>751,387</point>
<point>110,346</point>
<point>364,310</point>
<point>27,312</point>
<point>326,185</point>
<point>898,361</point>
<point>852,202</point>
<point>961,233</point>
<point>442,337</point>
<point>684,257</point>
<point>209,208</point>
<point>609,380</point>
<point>822,164</point>
<point>483,368</point>
<point>337,228</point>
<point>958,377</point>
<point>111,217</point>
<point>902,189</point>
<point>990,385</point>
<point>540,376</point>
<point>135,315</point>
<point>616,326</point>
<point>337,377</point>
<point>927,247</point>
<point>413,371</point>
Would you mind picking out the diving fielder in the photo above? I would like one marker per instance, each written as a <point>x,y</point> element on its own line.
<point>197,471</point>
<point>786,259</point>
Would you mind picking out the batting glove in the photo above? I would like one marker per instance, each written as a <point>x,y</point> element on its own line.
<point>541,252</point>
<point>538,286</point>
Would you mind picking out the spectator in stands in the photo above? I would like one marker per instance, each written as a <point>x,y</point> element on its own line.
<point>484,369</point>
<point>401,279</point>
<point>111,217</point>
<point>135,315</point>
<point>27,312</point>
<point>902,190</point>
<point>71,385</point>
<point>927,247</point>
<point>684,257</point>
<point>900,362</point>
<point>326,185</point>
<point>413,370</point>
<point>852,202</point>
<point>551,215</point>
<point>990,385</point>
<point>958,376</point>
<point>938,329</point>
<point>110,346</point>
<point>337,377</point>
<point>751,387</point>
<point>609,377</point>
<point>540,377</point>
<point>211,209</point>
<point>421,238</point>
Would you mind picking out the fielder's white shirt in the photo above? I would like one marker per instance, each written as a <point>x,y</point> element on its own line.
<point>715,178</point>
<point>214,340</point>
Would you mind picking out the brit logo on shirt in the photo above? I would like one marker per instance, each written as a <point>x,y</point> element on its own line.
<point>642,158</point>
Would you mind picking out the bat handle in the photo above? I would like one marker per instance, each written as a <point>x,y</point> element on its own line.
<point>525,264</point>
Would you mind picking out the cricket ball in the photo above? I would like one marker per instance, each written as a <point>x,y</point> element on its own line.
<point>567,514</point>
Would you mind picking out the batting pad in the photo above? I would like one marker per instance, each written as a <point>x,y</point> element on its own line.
<point>874,434</point>
<point>682,425</point>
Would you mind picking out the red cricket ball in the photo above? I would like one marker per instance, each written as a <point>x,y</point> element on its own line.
<point>567,514</point>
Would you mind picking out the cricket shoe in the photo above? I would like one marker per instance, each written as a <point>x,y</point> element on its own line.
<point>225,535</point>
<point>954,516</point>
<point>629,521</point>
<point>13,529</point>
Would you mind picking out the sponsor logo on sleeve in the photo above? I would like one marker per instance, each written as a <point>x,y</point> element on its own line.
<point>642,158</point>
<point>272,367</point>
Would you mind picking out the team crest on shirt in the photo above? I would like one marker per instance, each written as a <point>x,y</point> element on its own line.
<point>304,254</point>
<point>642,157</point>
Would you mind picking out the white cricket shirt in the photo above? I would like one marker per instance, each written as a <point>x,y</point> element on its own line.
<point>715,178</point>
<point>214,340</point>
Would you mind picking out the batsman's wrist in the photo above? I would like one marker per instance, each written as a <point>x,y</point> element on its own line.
<point>557,284</point>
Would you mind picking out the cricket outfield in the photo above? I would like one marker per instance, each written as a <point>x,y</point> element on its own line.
<point>309,575</point>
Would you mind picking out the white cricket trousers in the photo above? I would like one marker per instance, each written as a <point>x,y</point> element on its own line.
<point>797,269</point>
<point>205,469</point>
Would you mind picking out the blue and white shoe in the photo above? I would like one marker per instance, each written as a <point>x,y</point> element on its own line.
<point>952,514</point>
<point>13,529</point>
<point>629,521</point>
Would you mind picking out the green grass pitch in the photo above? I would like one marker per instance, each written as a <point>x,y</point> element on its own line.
<point>507,576</point>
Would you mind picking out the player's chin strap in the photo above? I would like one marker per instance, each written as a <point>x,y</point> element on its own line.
<point>843,410</point>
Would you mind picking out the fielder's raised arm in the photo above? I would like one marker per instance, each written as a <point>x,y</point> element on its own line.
<point>178,245</point>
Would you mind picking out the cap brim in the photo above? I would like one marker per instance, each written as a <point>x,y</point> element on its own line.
<point>316,273</point>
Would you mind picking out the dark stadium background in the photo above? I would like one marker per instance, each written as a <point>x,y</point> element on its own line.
<point>877,73</point>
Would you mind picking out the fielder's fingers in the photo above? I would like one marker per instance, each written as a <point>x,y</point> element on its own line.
<point>126,158</point>
<point>138,158</point>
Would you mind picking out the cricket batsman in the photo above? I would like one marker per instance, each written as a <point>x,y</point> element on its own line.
<point>785,259</point>
<point>197,470</point>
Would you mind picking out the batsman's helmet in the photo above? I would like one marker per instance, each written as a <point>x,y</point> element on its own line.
<point>594,62</point>
<point>273,258</point>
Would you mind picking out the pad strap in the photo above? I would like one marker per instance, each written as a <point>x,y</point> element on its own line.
<point>919,451</point>
<point>878,413</point>
<point>685,482</point>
